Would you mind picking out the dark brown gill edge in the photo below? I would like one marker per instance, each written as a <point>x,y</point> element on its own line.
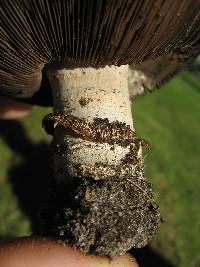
<point>101,209</point>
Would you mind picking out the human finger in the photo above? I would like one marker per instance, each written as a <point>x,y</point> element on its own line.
<point>12,109</point>
<point>44,252</point>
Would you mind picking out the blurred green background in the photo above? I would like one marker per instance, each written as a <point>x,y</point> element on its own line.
<point>169,119</point>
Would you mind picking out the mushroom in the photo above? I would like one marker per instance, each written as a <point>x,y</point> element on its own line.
<point>95,55</point>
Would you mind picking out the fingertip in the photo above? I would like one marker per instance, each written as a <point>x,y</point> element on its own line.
<point>44,252</point>
<point>11,109</point>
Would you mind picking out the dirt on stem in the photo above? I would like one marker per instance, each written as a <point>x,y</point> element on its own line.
<point>101,209</point>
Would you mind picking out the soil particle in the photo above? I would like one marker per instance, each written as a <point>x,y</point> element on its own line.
<point>84,101</point>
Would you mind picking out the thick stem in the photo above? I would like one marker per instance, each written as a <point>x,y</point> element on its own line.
<point>102,203</point>
<point>93,93</point>
<point>89,94</point>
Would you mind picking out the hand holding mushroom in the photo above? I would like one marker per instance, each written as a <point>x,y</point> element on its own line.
<point>95,55</point>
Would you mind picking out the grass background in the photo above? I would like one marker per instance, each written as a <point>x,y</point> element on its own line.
<point>169,119</point>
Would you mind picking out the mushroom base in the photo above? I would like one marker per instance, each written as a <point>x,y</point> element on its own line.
<point>102,209</point>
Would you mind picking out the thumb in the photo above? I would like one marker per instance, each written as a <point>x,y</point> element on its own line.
<point>44,252</point>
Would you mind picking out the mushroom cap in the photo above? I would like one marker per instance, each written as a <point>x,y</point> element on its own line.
<point>41,34</point>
